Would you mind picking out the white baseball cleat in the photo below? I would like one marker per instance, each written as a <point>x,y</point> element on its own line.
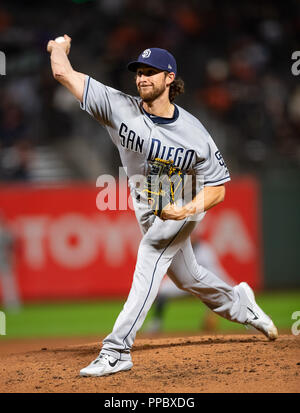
<point>256,317</point>
<point>104,365</point>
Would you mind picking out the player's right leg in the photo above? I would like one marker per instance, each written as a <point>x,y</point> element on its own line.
<point>155,254</point>
<point>233,303</point>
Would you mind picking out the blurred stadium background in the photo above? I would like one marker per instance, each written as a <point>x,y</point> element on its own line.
<point>72,264</point>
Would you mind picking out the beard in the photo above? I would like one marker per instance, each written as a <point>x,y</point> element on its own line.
<point>151,93</point>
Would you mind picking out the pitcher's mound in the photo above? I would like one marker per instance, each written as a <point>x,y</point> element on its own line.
<point>196,364</point>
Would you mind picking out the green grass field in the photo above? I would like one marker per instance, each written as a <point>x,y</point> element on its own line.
<point>97,317</point>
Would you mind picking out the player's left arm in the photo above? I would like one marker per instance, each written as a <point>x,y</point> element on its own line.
<point>207,198</point>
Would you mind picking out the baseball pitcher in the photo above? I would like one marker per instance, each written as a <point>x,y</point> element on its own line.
<point>162,142</point>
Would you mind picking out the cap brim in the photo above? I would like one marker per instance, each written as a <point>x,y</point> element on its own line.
<point>132,66</point>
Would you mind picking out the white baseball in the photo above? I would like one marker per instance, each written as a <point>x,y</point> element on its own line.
<point>60,39</point>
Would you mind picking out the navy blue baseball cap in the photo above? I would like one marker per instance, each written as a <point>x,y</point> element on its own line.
<point>155,57</point>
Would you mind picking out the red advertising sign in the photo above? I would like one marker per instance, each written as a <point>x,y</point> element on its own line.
<point>67,248</point>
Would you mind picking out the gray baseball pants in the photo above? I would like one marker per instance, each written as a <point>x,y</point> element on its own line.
<point>166,248</point>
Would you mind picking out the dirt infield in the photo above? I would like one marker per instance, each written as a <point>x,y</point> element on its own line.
<point>195,364</point>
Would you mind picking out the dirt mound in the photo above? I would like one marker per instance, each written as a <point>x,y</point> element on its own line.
<point>196,364</point>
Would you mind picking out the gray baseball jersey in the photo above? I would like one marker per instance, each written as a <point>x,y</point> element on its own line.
<point>165,246</point>
<point>141,137</point>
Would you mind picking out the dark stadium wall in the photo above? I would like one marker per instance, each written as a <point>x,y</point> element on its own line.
<point>281,229</point>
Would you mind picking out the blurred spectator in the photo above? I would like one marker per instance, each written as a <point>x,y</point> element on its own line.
<point>15,145</point>
<point>15,161</point>
<point>216,95</point>
<point>12,126</point>
<point>294,107</point>
<point>234,57</point>
<point>10,294</point>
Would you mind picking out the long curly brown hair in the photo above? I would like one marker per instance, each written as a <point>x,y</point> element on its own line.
<point>176,88</point>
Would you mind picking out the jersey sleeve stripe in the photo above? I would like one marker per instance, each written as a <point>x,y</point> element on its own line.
<point>86,92</point>
<point>227,178</point>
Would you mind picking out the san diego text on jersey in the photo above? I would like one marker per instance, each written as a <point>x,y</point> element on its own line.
<point>130,140</point>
